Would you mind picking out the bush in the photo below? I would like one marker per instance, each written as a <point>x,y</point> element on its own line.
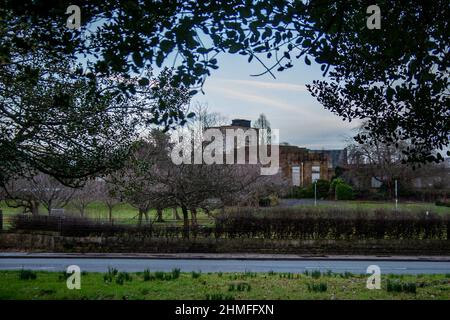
<point>196,275</point>
<point>443,203</point>
<point>269,201</point>
<point>323,188</point>
<point>264,202</point>
<point>332,223</point>
<point>335,182</point>
<point>27,275</point>
<point>344,192</point>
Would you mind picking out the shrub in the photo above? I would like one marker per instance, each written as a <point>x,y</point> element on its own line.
<point>332,223</point>
<point>335,182</point>
<point>196,275</point>
<point>302,192</point>
<point>316,274</point>
<point>264,202</point>
<point>323,188</point>
<point>27,275</point>
<point>317,287</point>
<point>344,192</point>
<point>443,203</point>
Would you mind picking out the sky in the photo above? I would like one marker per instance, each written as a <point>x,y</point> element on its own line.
<point>302,121</point>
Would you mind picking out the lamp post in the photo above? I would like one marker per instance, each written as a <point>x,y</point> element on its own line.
<point>315,193</point>
<point>396,194</point>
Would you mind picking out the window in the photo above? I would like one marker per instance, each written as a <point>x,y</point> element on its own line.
<point>295,176</point>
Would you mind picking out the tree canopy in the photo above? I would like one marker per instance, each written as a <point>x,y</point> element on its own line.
<point>395,77</point>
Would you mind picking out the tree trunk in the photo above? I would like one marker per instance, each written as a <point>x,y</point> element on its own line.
<point>140,217</point>
<point>176,216</point>
<point>159,215</point>
<point>110,213</point>
<point>194,217</point>
<point>185,222</point>
<point>34,208</point>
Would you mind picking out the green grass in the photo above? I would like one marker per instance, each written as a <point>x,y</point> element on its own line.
<point>50,285</point>
<point>372,205</point>
<point>123,212</point>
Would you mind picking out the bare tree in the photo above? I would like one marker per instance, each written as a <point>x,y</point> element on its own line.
<point>17,194</point>
<point>137,182</point>
<point>86,194</point>
<point>107,194</point>
<point>40,189</point>
<point>263,123</point>
<point>378,161</point>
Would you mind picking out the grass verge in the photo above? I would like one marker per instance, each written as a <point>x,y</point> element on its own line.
<point>175,285</point>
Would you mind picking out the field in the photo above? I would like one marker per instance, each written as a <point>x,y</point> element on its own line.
<point>52,285</point>
<point>372,205</point>
<point>123,212</point>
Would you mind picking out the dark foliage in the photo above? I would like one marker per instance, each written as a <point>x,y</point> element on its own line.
<point>396,77</point>
<point>333,224</point>
<point>268,224</point>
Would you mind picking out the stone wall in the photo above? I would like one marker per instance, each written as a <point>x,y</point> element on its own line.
<point>51,242</point>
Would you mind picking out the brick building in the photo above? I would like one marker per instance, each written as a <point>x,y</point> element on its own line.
<point>302,167</point>
<point>299,166</point>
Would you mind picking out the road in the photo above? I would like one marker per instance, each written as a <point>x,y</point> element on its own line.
<point>215,265</point>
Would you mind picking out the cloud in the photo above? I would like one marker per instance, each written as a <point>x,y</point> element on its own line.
<point>283,86</point>
<point>289,107</point>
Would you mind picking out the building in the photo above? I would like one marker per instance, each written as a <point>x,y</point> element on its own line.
<point>300,166</point>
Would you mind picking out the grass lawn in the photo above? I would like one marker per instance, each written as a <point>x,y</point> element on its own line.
<point>123,212</point>
<point>52,285</point>
<point>372,205</point>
